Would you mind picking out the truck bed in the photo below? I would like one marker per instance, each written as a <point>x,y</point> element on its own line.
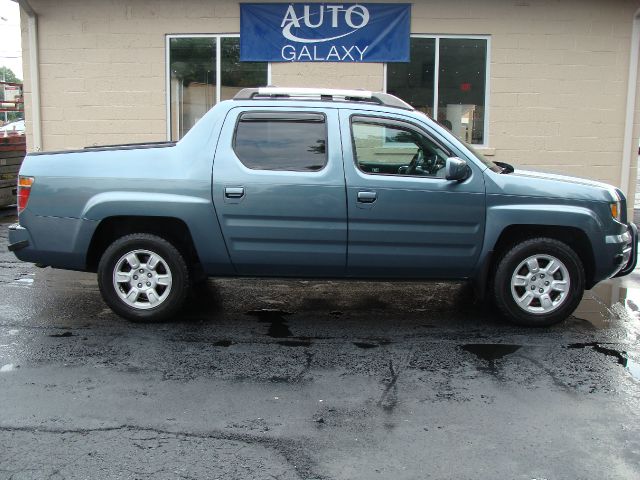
<point>121,146</point>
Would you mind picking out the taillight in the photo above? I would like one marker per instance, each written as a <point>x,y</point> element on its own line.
<point>24,190</point>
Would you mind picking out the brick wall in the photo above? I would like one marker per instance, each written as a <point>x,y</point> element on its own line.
<point>557,89</point>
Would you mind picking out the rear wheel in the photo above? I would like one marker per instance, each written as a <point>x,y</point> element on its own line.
<point>539,282</point>
<point>143,278</point>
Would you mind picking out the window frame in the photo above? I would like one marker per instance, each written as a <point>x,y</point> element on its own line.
<point>487,90</point>
<point>280,115</point>
<point>385,121</point>
<point>167,67</point>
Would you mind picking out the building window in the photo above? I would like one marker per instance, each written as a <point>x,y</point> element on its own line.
<point>202,71</point>
<point>282,141</point>
<point>446,78</point>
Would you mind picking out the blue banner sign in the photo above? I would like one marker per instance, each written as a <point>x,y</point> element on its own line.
<point>324,32</point>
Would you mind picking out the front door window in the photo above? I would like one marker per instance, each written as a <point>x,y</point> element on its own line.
<point>393,148</point>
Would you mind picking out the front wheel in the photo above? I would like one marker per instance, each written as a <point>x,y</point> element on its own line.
<point>539,282</point>
<point>143,278</point>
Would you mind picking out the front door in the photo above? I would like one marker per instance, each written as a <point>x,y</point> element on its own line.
<point>279,193</point>
<point>405,219</point>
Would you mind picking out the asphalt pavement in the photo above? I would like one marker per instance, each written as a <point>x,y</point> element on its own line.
<point>291,379</point>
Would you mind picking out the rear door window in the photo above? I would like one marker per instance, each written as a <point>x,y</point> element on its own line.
<point>282,141</point>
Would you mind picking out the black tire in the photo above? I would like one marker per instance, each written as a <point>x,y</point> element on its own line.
<point>506,267</point>
<point>173,261</point>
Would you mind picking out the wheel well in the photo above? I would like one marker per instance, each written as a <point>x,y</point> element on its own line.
<point>171,229</point>
<point>574,237</point>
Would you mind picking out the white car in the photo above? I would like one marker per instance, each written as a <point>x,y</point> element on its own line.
<point>17,127</point>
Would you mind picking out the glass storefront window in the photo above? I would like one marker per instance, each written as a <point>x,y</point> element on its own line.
<point>458,66</point>
<point>202,71</point>
<point>192,67</point>
<point>461,87</point>
<point>414,81</point>
<point>237,75</point>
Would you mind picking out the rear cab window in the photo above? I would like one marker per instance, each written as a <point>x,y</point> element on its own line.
<point>282,141</point>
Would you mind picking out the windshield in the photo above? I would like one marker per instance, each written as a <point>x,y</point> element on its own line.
<point>480,157</point>
<point>492,166</point>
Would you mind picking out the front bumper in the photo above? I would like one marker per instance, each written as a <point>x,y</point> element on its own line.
<point>629,256</point>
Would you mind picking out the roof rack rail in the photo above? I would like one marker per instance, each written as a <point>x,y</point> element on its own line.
<point>329,94</point>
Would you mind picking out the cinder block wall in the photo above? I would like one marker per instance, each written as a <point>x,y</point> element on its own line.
<point>557,92</point>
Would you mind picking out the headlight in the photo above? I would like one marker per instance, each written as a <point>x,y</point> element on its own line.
<point>615,210</point>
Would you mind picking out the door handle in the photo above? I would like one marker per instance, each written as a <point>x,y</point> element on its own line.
<point>367,197</point>
<point>234,192</point>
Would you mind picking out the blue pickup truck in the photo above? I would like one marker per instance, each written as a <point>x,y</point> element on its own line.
<point>318,184</point>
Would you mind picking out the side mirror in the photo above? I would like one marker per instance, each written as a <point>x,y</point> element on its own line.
<point>456,169</point>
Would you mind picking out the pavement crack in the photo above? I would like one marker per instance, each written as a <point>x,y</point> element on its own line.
<point>290,450</point>
<point>389,398</point>
<point>306,368</point>
<point>554,378</point>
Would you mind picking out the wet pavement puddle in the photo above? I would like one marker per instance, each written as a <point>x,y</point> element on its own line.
<point>634,368</point>
<point>295,343</point>
<point>62,335</point>
<point>621,357</point>
<point>613,303</point>
<point>22,280</point>
<point>278,327</point>
<point>365,345</point>
<point>372,344</point>
<point>490,352</point>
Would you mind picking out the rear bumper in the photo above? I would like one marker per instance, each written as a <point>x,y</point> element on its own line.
<point>629,256</point>
<point>53,241</point>
<point>18,238</point>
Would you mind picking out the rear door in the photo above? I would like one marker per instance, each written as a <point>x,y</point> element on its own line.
<point>279,192</point>
<point>405,219</point>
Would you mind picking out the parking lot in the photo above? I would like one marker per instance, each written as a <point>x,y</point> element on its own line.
<point>291,379</point>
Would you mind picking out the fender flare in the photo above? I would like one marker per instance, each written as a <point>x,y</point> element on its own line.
<point>501,217</point>
<point>192,210</point>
